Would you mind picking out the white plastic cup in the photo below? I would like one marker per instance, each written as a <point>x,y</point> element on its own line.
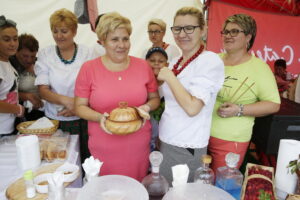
<point>56,192</point>
<point>179,181</point>
<point>28,152</point>
<point>88,178</point>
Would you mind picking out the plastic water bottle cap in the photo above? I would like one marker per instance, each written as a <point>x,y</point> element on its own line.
<point>28,175</point>
<point>206,159</point>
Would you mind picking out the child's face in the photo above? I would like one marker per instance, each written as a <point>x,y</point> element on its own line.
<point>8,43</point>
<point>157,61</point>
<point>280,70</point>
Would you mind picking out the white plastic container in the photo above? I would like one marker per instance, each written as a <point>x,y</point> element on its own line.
<point>28,152</point>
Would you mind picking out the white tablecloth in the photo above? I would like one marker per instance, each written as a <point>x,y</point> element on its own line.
<point>9,170</point>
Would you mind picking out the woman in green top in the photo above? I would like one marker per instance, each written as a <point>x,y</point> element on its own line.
<point>249,91</point>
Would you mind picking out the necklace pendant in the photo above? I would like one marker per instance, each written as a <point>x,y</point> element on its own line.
<point>119,78</point>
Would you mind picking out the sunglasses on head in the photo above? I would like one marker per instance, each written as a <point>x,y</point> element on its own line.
<point>4,21</point>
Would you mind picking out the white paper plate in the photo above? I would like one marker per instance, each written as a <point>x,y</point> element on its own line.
<point>113,187</point>
<point>197,191</point>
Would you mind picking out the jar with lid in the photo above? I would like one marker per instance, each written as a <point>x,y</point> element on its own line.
<point>205,174</point>
<point>229,178</point>
<point>155,184</point>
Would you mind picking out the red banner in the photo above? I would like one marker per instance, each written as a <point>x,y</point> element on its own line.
<point>278,36</point>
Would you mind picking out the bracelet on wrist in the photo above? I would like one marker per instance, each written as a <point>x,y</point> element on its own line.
<point>240,113</point>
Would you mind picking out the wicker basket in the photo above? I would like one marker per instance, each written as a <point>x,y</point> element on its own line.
<point>293,197</point>
<point>22,128</point>
<point>247,178</point>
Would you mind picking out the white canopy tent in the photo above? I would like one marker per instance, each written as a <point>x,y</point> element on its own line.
<point>32,16</point>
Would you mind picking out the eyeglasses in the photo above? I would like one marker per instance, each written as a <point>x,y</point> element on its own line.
<point>233,32</point>
<point>155,32</point>
<point>4,21</point>
<point>187,29</point>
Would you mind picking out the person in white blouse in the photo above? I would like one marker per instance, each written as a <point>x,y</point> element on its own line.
<point>9,104</point>
<point>190,87</point>
<point>156,32</point>
<point>56,69</point>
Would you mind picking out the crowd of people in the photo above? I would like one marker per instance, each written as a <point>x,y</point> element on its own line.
<point>200,102</point>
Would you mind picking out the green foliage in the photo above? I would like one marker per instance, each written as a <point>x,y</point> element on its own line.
<point>264,195</point>
<point>294,165</point>
<point>156,114</point>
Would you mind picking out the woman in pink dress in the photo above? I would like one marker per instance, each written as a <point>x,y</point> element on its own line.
<point>104,82</point>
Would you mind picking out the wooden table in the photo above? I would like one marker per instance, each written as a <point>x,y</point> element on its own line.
<point>10,172</point>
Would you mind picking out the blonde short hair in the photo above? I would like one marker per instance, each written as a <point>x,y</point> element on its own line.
<point>247,23</point>
<point>110,22</point>
<point>195,12</point>
<point>158,22</point>
<point>63,16</point>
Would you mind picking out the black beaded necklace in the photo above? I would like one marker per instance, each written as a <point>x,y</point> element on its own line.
<point>67,61</point>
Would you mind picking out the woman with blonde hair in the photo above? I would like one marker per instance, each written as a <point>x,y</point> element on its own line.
<point>104,82</point>
<point>249,91</point>
<point>56,69</point>
<point>156,33</point>
<point>190,87</point>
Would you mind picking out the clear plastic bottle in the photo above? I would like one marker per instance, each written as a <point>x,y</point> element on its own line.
<point>229,178</point>
<point>30,188</point>
<point>156,185</point>
<point>205,174</point>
